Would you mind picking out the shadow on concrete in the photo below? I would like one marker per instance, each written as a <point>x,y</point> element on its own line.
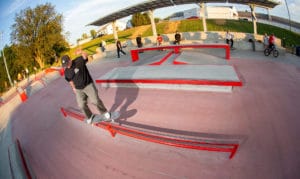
<point>125,97</point>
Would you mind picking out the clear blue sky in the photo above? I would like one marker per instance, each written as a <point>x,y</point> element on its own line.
<point>78,13</point>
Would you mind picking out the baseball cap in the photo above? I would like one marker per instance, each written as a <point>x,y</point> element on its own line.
<point>65,60</point>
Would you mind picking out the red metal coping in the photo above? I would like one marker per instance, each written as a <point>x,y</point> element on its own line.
<point>174,81</point>
<point>163,59</point>
<point>23,159</point>
<point>24,166</point>
<point>142,135</point>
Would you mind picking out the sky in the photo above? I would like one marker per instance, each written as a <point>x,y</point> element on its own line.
<point>78,13</point>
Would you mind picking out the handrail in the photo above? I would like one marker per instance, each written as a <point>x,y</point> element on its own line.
<point>166,140</point>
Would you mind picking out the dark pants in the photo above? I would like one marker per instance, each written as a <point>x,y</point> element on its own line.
<point>120,50</point>
<point>89,92</point>
<point>231,42</point>
<point>176,42</point>
<point>140,45</point>
<point>271,46</point>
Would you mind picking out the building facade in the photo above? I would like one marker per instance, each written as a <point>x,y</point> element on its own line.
<point>212,12</point>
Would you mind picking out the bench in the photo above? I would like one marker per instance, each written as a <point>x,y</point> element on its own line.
<point>176,48</point>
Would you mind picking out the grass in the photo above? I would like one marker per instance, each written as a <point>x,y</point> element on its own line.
<point>192,25</point>
<point>289,38</point>
<point>159,29</point>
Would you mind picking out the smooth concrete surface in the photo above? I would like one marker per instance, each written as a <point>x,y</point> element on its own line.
<point>265,111</point>
<point>192,57</point>
<point>193,72</point>
<point>157,74</point>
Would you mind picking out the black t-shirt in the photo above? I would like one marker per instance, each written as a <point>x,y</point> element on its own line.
<point>138,40</point>
<point>177,37</point>
<point>78,73</point>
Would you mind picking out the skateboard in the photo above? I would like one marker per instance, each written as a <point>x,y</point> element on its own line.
<point>100,118</point>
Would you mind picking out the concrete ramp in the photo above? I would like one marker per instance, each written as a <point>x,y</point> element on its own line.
<point>180,77</point>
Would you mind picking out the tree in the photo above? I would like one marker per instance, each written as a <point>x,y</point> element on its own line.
<point>93,33</point>
<point>84,36</point>
<point>37,35</point>
<point>156,20</point>
<point>13,65</point>
<point>139,19</point>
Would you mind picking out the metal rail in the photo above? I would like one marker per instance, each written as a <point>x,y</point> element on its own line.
<point>155,138</point>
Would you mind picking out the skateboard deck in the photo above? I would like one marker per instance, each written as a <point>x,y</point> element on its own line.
<point>100,118</point>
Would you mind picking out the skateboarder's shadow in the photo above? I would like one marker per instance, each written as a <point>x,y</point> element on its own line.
<point>125,96</point>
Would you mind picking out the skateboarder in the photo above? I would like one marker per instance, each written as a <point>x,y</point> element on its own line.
<point>78,76</point>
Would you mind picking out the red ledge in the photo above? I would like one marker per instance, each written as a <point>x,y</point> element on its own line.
<point>175,82</point>
<point>165,58</point>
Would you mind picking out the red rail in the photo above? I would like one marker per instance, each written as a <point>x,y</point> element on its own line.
<point>174,81</point>
<point>176,48</point>
<point>147,136</point>
<point>163,59</point>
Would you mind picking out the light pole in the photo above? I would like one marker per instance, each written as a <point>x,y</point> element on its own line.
<point>287,7</point>
<point>4,59</point>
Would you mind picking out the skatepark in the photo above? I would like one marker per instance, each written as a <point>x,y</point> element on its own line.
<point>260,115</point>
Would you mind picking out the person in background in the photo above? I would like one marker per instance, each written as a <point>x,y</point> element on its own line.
<point>103,44</point>
<point>272,41</point>
<point>266,41</point>
<point>139,41</point>
<point>159,40</point>
<point>229,38</point>
<point>82,84</point>
<point>177,38</point>
<point>119,48</point>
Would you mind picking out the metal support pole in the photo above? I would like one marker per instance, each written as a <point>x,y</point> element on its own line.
<point>114,23</point>
<point>150,14</point>
<point>269,15</point>
<point>203,14</point>
<point>5,64</point>
<point>287,7</point>
<point>252,7</point>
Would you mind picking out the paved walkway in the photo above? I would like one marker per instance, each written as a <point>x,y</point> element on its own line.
<point>263,114</point>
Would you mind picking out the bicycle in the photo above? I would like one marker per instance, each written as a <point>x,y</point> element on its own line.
<point>269,50</point>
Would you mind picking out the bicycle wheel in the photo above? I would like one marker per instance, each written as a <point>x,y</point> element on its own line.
<point>275,53</point>
<point>267,52</point>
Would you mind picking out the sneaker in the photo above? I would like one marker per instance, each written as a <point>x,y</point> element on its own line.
<point>90,120</point>
<point>107,116</point>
